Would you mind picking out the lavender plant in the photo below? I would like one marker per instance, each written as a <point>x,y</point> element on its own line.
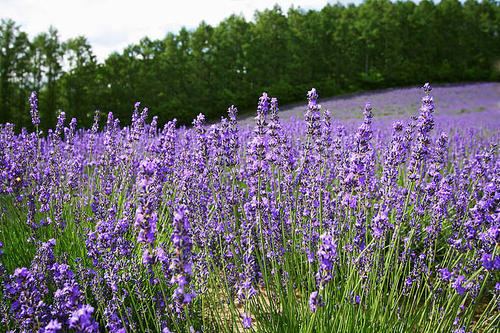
<point>389,223</point>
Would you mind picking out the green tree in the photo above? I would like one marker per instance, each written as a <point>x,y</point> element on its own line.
<point>47,54</point>
<point>78,82</point>
<point>9,32</point>
<point>231,40</point>
<point>21,80</point>
<point>376,44</point>
<point>268,53</point>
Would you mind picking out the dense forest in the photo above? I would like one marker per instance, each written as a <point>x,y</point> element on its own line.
<point>338,49</point>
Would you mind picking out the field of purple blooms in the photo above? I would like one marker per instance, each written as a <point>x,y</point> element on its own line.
<point>385,219</point>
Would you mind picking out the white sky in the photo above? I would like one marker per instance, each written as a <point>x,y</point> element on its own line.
<point>111,25</point>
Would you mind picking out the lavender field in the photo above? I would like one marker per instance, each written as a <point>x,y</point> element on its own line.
<point>376,212</point>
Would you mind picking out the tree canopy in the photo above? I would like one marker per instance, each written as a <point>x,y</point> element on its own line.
<point>339,49</point>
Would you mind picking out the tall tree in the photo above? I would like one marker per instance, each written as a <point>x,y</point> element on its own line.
<point>8,34</point>
<point>53,54</point>
<point>231,40</point>
<point>268,52</point>
<point>21,79</point>
<point>79,80</point>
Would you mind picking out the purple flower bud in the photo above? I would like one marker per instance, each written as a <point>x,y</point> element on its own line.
<point>445,274</point>
<point>247,320</point>
<point>487,261</point>
<point>35,118</point>
<point>315,301</point>
<point>53,326</point>
<point>458,285</point>
<point>496,263</point>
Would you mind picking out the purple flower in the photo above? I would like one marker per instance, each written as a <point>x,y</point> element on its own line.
<point>487,261</point>
<point>247,320</point>
<point>445,274</point>
<point>82,319</point>
<point>458,285</point>
<point>327,258</point>
<point>496,263</point>
<point>460,330</point>
<point>35,117</point>
<point>181,263</point>
<point>53,326</point>
<point>312,96</point>
<point>315,301</point>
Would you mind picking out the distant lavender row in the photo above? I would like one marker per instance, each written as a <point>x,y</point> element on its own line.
<point>479,101</point>
<point>449,99</point>
<point>347,220</point>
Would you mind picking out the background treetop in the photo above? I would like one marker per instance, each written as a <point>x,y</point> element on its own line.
<point>339,49</point>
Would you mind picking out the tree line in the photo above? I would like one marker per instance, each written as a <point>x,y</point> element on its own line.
<point>337,49</point>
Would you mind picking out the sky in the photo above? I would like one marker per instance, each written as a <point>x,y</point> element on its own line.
<point>111,25</point>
